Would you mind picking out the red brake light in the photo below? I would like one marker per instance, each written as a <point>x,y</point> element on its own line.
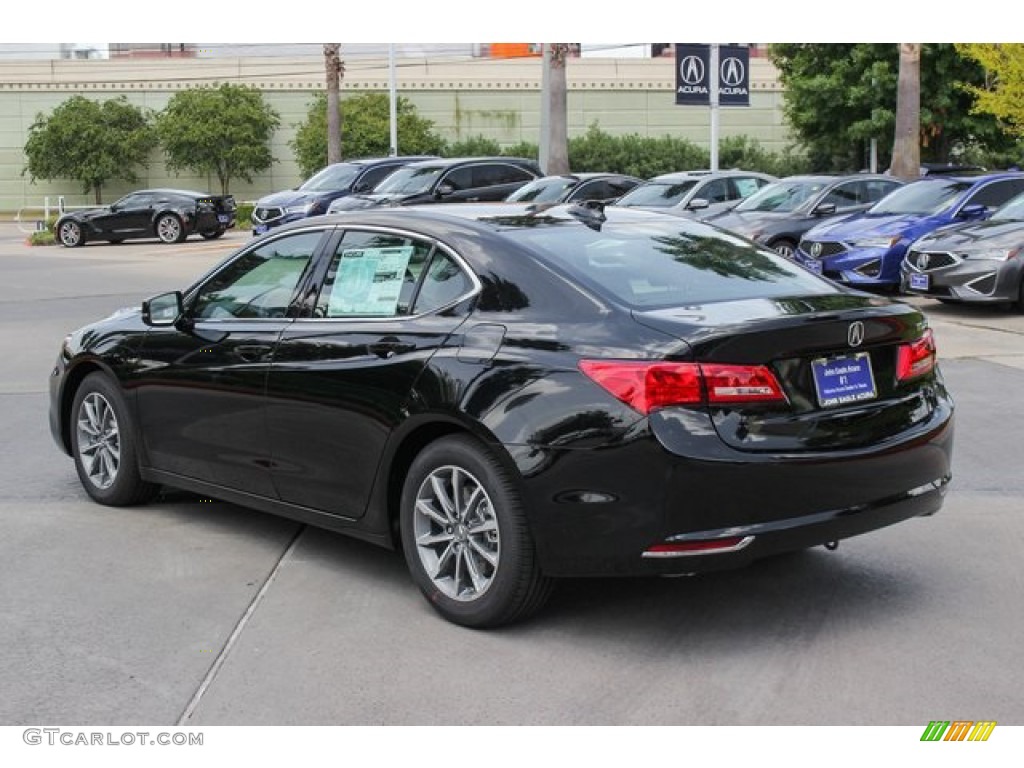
<point>646,385</point>
<point>917,358</point>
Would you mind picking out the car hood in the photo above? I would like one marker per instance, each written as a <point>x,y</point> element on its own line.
<point>745,222</point>
<point>885,225</point>
<point>993,234</point>
<point>86,214</point>
<point>288,198</point>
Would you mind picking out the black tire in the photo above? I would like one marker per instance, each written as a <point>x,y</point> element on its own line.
<point>482,556</point>
<point>784,247</point>
<point>212,235</point>
<point>70,234</point>
<point>103,445</point>
<point>1018,305</point>
<point>169,228</point>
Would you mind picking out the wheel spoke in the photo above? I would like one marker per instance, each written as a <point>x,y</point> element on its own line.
<point>486,554</point>
<point>424,507</point>
<point>441,494</point>
<point>479,582</point>
<point>432,539</point>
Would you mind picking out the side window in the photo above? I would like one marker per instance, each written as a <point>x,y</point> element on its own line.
<point>492,174</point>
<point>375,176</point>
<point>136,201</point>
<point>443,283</point>
<point>372,274</point>
<point>715,191</point>
<point>619,187</point>
<point>591,190</point>
<point>844,195</point>
<point>993,195</point>
<point>745,187</point>
<point>259,284</point>
<point>875,190</point>
<point>460,178</point>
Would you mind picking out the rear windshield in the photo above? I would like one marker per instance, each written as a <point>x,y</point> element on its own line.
<point>655,264</point>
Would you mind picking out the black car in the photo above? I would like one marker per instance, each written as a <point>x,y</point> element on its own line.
<point>169,215</point>
<point>976,262</point>
<point>511,396</point>
<point>779,214</point>
<point>449,180</point>
<point>316,194</point>
<point>574,188</point>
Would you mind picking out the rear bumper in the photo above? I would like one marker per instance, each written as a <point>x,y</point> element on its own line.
<point>596,512</point>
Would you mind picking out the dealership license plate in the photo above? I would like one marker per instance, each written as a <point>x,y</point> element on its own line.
<point>813,265</point>
<point>259,229</point>
<point>919,282</point>
<point>844,380</point>
<point>223,218</point>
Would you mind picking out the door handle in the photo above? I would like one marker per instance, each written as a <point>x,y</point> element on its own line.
<point>253,353</point>
<point>388,348</point>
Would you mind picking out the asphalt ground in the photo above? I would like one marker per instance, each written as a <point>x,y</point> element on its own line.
<point>195,613</point>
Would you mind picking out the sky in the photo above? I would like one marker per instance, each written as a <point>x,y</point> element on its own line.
<point>521,20</point>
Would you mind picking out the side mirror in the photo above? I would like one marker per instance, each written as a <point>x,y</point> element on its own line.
<point>825,209</point>
<point>163,310</point>
<point>445,188</point>
<point>973,212</point>
<point>697,204</point>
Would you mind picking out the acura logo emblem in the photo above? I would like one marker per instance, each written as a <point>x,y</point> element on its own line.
<point>816,250</point>
<point>732,72</point>
<point>691,69</point>
<point>922,261</point>
<point>855,334</point>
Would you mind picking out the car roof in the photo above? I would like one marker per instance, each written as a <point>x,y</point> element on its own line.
<point>390,160</point>
<point>686,175</point>
<point>451,161</point>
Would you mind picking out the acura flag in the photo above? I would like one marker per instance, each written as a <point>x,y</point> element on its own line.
<point>693,80</point>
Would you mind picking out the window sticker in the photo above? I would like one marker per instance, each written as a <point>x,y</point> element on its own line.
<point>369,280</point>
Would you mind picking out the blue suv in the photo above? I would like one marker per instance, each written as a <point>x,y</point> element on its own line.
<point>865,250</point>
<point>320,190</point>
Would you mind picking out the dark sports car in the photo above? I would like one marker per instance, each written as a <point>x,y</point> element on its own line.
<point>511,395</point>
<point>169,215</point>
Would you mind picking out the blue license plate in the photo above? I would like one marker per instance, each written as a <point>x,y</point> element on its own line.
<point>223,218</point>
<point>919,282</point>
<point>813,265</point>
<point>844,380</point>
<point>259,229</point>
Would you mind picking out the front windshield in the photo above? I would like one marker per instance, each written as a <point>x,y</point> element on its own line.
<point>781,196</point>
<point>332,178</point>
<point>920,197</point>
<point>657,194</point>
<point>1013,210</point>
<point>410,180</point>
<point>542,190</point>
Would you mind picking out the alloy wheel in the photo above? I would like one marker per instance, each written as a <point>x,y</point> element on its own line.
<point>456,533</point>
<point>99,440</point>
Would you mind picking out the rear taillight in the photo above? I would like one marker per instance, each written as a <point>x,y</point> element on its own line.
<point>646,385</point>
<point>917,358</point>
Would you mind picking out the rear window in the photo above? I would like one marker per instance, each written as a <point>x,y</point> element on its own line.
<point>655,264</point>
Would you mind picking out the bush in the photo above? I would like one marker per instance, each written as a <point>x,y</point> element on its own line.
<point>646,156</point>
<point>42,237</point>
<point>243,215</point>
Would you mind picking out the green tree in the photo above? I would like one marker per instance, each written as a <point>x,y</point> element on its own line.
<point>365,131</point>
<point>222,130</point>
<point>90,142</point>
<point>1001,95</point>
<point>841,95</point>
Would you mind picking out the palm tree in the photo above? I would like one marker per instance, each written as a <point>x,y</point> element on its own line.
<point>906,150</point>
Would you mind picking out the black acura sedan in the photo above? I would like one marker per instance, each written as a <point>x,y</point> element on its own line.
<point>170,215</point>
<point>510,395</point>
